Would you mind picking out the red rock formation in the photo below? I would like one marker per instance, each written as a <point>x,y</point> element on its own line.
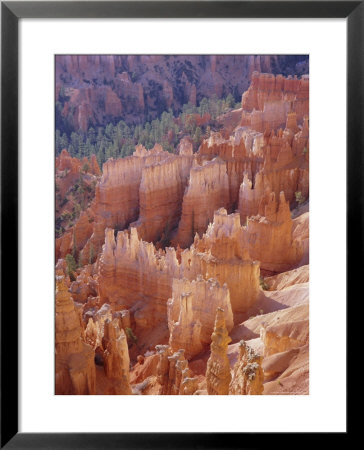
<point>220,253</point>
<point>238,158</point>
<point>75,366</point>
<point>185,147</point>
<point>248,376</point>
<point>71,172</point>
<point>64,244</point>
<point>207,190</point>
<point>133,274</point>
<point>131,281</point>
<point>85,285</point>
<point>95,328</point>
<point>130,93</point>
<point>218,374</point>
<point>61,270</point>
<point>249,198</point>
<point>82,231</point>
<point>268,236</point>
<point>191,313</point>
<point>117,194</point>
<point>173,373</point>
<point>160,196</point>
<point>170,80</point>
<point>284,180</point>
<point>270,98</point>
<point>90,106</point>
<point>67,171</point>
<point>116,357</point>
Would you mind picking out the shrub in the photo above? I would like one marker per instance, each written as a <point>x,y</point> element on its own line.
<point>263,284</point>
<point>130,335</point>
<point>299,197</point>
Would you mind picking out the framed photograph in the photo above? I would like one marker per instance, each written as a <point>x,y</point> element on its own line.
<point>181,192</point>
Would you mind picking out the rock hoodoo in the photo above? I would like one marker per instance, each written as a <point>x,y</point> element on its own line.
<point>248,376</point>
<point>75,366</point>
<point>218,374</point>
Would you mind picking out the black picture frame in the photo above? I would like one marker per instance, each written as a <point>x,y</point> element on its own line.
<point>11,12</point>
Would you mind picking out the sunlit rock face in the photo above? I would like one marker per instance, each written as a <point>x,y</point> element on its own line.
<point>116,357</point>
<point>248,376</point>
<point>218,374</point>
<point>173,374</point>
<point>160,196</point>
<point>221,254</point>
<point>207,190</point>
<point>269,238</point>
<point>191,313</point>
<point>117,194</point>
<point>75,366</point>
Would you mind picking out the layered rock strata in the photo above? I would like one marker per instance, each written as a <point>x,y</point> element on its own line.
<point>160,197</point>
<point>117,194</point>
<point>207,190</point>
